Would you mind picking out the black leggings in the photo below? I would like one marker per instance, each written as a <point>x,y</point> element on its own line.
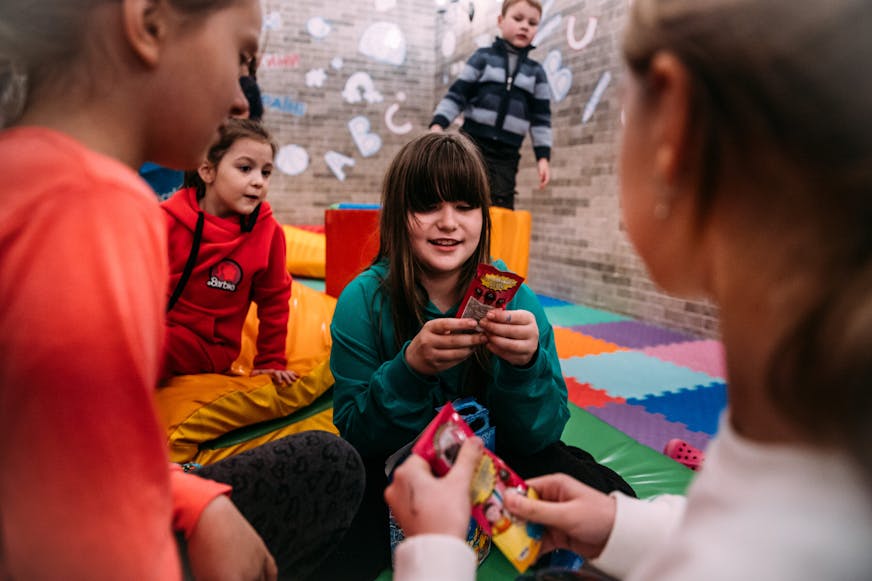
<point>365,550</point>
<point>299,493</point>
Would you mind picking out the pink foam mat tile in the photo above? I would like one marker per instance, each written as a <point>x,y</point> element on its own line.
<point>705,356</point>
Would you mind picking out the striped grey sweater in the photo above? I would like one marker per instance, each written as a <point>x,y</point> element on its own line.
<point>499,104</point>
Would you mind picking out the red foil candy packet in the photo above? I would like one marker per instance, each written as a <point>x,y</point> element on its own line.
<point>439,444</point>
<point>490,289</point>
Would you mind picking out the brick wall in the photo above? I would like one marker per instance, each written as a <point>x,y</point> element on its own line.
<point>579,251</point>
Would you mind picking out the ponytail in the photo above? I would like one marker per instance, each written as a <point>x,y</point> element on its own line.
<point>822,375</point>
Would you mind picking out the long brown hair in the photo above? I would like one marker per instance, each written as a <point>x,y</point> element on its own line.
<point>435,167</point>
<point>780,92</point>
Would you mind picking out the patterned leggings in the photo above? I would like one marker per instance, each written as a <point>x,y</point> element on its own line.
<point>299,493</point>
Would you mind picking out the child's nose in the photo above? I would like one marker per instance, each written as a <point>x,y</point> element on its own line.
<point>447,218</point>
<point>240,108</point>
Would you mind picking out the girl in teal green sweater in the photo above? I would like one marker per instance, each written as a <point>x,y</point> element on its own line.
<point>399,351</point>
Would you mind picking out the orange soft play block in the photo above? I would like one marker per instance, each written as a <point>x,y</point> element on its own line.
<point>352,243</point>
<point>353,237</point>
<point>510,238</point>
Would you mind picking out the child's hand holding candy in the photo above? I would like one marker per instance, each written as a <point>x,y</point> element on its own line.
<point>442,344</point>
<point>423,503</point>
<point>511,335</point>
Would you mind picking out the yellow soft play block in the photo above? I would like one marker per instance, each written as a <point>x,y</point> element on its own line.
<point>510,238</point>
<point>308,342</point>
<point>199,408</point>
<point>322,421</point>
<point>306,252</point>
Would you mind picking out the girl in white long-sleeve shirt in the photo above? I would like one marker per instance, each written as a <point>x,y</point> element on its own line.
<point>745,178</point>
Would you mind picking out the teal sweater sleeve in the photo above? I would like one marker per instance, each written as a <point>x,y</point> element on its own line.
<point>379,402</point>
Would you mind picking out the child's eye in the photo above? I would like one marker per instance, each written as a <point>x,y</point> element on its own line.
<point>245,168</point>
<point>464,207</point>
<point>266,173</point>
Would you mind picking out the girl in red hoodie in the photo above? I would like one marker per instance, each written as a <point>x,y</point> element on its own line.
<point>226,250</point>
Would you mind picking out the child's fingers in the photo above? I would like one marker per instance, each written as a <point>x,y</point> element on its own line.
<point>412,468</point>
<point>449,325</point>
<point>556,487</point>
<point>515,317</point>
<point>467,461</point>
<point>516,324</point>
<point>550,514</point>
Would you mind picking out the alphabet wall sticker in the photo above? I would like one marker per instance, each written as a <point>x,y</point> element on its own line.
<point>272,21</point>
<point>547,29</point>
<point>384,42</point>
<point>389,117</point>
<point>271,61</point>
<point>596,96</point>
<point>546,8</point>
<point>360,87</point>
<point>367,142</point>
<point>316,78</point>
<point>588,33</point>
<point>317,27</point>
<point>559,77</point>
<point>292,159</point>
<point>449,44</point>
<point>283,103</point>
<point>337,162</point>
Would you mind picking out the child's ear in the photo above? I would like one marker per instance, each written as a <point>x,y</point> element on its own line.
<point>145,27</point>
<point>206,172</point>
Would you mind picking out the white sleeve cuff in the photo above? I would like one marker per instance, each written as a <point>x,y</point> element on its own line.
<point>434,558</point>
<point>641,526</point>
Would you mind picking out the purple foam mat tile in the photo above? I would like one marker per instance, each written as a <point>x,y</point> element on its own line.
<point>632,334</point>
<point>705,356</point>
<point>651,429</point>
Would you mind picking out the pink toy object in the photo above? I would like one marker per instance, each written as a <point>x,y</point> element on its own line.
<point>684,453</point>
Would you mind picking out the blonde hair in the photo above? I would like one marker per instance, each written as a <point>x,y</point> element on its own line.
<point>780,93</point>
<point>509,3</point>
<point>39,39</point>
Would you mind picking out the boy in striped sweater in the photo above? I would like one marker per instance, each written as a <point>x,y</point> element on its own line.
<point>503,94</point>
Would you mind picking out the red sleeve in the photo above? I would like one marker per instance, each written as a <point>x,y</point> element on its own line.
<point>191,494</point>
<point>84,489</point>
<point>271,293</point>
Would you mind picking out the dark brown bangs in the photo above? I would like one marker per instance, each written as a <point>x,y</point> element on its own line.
<point>450,172</point>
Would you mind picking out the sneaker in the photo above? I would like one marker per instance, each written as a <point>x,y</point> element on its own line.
<point>684,453</point>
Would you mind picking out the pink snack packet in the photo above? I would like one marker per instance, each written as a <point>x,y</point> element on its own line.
<point>439,445</point>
